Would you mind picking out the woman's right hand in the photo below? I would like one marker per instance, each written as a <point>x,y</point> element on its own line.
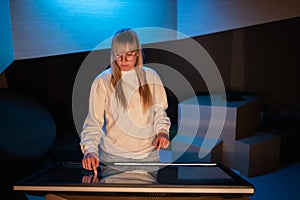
<point>90,161</point>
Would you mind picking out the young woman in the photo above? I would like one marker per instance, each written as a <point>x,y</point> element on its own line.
<point>127,120</point>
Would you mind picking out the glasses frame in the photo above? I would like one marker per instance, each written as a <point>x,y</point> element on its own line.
<point>128,55</point>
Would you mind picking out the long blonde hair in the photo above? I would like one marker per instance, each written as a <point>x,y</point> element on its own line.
<point>127,40</point>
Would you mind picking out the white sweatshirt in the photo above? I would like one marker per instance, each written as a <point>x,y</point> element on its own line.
<point>125,133</point>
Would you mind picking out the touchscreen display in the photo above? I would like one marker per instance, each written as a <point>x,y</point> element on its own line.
<point>147,177</point>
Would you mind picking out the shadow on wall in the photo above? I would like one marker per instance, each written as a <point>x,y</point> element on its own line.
<point>27,134</point>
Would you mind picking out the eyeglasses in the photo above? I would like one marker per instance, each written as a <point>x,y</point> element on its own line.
<point>128,56</point>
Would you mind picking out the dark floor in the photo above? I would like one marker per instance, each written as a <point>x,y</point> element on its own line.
<point>281,184</point>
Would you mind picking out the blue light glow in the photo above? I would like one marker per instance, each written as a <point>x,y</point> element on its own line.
<point>43,28</point>
<point>6,50</point>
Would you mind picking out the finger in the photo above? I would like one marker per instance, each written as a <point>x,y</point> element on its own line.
<point>155,142</point>
<point>95,179</point>
<point>91,163</point>
<point>83,179</point>
<point>89,178</point>
<point>85,164</point>
<point>159,145</point>
<point>97,162</point>
<point>166,144</point>
<point>95,165</point>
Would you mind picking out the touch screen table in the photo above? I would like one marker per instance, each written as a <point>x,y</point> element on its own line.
<point>148,179</point>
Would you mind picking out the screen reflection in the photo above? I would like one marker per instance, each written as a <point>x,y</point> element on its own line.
<point>122,175</point>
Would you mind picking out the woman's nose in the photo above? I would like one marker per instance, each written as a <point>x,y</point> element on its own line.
<point>123,58</point>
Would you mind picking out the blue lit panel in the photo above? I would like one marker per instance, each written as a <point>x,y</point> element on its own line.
<point>43,28</point>
<point>6,50</point>
<point>200,17</point>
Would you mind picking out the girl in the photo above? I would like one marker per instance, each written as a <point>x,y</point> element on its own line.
<point>127,120</point>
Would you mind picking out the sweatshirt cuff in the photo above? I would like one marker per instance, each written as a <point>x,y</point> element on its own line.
<point>164,134</point>
<point>92,150</point>
<point>163,130</point>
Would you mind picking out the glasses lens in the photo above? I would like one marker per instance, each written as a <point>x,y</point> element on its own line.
<point>128,56</point>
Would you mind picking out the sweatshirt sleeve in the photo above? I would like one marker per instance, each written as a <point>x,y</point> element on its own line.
<point>92,128</point>
<point>161,120</point>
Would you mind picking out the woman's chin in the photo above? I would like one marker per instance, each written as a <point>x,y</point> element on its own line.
<point>126,67</point>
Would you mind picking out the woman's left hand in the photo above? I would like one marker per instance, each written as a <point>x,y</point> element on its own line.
<point>161,141</point>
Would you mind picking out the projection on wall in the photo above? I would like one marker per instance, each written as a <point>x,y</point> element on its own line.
<point>43,28</point>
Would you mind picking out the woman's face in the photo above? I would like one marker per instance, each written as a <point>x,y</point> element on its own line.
<point>126,61</point>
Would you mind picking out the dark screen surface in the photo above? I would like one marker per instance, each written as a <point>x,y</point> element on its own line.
<point>148,177</point>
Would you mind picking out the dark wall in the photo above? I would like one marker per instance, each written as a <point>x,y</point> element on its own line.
<point>272,62</point>
<point>272,71</point>
<point>218,46</point>
<point>49,80</point>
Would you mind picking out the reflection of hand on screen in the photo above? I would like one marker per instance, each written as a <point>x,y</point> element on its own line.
<point>130,177</point>
<point>90,179</point>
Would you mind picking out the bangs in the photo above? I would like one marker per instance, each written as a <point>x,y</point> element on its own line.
<point>123,47</point>
<point>125,42</point>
